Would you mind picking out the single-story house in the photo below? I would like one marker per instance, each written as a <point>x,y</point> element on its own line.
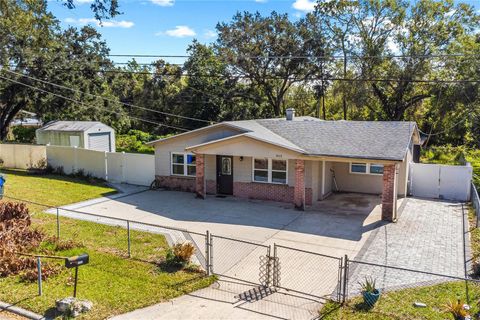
<point>91,135</point>
<point>299,160</point>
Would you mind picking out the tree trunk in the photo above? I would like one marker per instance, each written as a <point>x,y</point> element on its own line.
<point>344,98</point>
<point>323,107</point>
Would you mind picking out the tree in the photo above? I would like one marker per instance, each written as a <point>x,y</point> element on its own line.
<point>338,19</point>
<point>33,47</point>
<point>269,52</point>
<point>425,28</point>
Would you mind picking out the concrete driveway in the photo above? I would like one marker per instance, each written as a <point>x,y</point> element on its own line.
<point>339,225</point>
<point>343,224</point>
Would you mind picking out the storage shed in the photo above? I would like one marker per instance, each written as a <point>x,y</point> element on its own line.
<point>91,135</point>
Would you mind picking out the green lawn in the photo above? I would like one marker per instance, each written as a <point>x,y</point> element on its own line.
<point>113,282</point>
<point>399,304</point>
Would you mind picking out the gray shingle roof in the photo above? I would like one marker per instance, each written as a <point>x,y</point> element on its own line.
<point>71,125</point>
<point>383,140</point>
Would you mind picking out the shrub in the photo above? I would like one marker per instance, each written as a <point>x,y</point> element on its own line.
<point>369,285</point>
<point>134,141</point>
<point>179,256</point>
<point>16,236</point>
<point>24,134</point>
<point>456,309</point>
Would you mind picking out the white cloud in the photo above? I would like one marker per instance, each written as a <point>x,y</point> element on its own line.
<point>304,5</point>
<point>209,34</point>
<point>83,1</point>
<point>179,32</point>
<point>163,3</point>
<point>261,1</point>
<point>106,24</point>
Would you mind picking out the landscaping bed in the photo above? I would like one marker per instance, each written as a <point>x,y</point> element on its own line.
<point>113,282</point>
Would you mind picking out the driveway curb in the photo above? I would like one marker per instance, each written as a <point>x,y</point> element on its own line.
<point>20,311</point>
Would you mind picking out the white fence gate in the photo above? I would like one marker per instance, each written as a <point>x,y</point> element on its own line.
<point>440,181</point>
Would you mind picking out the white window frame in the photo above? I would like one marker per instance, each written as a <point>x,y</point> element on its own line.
<point>269,171</point>
<point>185,164</point>
<point>367,168</point>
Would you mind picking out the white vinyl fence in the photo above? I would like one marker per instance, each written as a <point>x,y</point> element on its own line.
<point>440,181</point>
<point>119,167</point>
<point>22,156</point>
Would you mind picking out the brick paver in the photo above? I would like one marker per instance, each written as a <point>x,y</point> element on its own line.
<point>428,237</point>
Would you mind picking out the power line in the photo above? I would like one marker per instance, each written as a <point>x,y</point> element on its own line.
<point>337,57</point>
<point>106,99</point>
<point>435,81</point>
<point>90,106</point>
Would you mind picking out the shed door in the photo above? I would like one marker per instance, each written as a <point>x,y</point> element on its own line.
<point>99,141</point>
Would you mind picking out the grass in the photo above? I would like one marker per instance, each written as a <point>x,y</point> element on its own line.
<point>113,282</point>
<point>53,190</point>
<point>399,304</point>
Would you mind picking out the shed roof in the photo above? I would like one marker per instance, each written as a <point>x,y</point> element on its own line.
<point>72,125</point>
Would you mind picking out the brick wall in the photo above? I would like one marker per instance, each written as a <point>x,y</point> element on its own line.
<point>389,175</point>
<point>176,183</point>
<point>299,190</point>
<point>211,187</point>
<point>200,185</point>
<point>270,192</point>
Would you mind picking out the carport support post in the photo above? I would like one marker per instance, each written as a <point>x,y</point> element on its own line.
<point>299,189</point>
<point>200,182</point>
<point>389,197</point>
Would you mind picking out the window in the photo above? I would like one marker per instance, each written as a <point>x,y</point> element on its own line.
<point>184,164</point>
<point>376,168</point>
<point>366,168</point>
<point>269,170</point>
<point>358,167</point>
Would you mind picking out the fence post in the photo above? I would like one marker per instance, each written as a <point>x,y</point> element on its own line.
<point>207,252</point>
<point>58,224</point>
<point>276,270</point>
<point>345,280</point>
<point>210,251</point>
<point>128,236</point>
<point>269,267</point>
<point>39,272</point>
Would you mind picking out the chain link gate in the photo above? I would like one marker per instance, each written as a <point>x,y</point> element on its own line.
<point>241,260</point>
<point>309,273</point>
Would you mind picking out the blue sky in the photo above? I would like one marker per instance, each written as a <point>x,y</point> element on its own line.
<point>167,27</point>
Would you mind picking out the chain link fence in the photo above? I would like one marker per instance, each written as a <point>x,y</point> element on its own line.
<point>475,203</point>
<point>240,259</point>
<point>262,270</point>
<point>310,273</point>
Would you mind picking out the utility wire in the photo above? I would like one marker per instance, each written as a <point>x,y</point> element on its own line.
<point>435,81</point>
<point>90,106</point>
<point>104,98</point>
<point>337,57</point>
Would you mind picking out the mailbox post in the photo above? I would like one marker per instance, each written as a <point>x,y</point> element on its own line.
<point>75,262</point>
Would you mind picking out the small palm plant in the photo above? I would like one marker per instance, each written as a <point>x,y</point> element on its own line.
<point>368,285</point>
<point>456,309</point>
<point>369,291</point>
